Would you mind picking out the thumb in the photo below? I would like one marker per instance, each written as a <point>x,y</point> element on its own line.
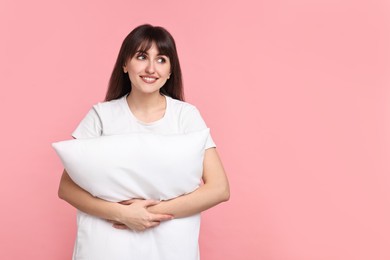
<point>148,203</point>
<point>127,202</point>
<point>130,201</point>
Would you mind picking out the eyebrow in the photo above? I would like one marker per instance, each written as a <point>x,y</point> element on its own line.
<point>146,52</point>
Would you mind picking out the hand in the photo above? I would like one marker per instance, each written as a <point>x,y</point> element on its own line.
<point>135,215</point>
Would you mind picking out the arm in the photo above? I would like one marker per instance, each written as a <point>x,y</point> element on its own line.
<point>134,216</point>
<point>214,191</point>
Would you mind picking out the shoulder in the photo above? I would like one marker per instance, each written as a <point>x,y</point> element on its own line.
<point>98,118</point>
<point>190,119</point>
<point>111,106</point>
<point>111,111</point>
<point>178,104</point>
<point>189,116</point>
<point>182,108</point>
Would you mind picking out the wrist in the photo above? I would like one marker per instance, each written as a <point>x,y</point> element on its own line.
<point>117,212</point>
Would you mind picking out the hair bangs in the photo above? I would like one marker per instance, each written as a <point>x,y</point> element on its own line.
<point>155,35</point>
<point>145,45</point>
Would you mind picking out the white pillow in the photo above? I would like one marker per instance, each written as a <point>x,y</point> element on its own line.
<point>137,165</point>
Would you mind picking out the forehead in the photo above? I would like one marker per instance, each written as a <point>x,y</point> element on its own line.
<point>150,47</point>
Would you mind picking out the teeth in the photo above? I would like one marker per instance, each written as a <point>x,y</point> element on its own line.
<point>148,79</point>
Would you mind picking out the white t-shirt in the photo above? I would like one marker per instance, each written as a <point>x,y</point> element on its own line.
<point>115,117</point>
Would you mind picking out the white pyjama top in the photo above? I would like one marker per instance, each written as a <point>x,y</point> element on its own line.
<point>96,238</point>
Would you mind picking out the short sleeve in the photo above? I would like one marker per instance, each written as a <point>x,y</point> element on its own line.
<point>193,121</point>
<point>90,126</point>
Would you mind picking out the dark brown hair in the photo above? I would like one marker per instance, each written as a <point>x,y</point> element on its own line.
<point>141,39</point>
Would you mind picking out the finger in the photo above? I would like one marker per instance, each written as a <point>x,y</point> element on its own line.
<point>128,202</point>
<point>120,226</point>
<point>161,217</point>
<point>148,203</point>
<point>114,222</point>
<point>154,224</point>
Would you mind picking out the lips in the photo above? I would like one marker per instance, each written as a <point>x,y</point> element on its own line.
<point>149,79</point>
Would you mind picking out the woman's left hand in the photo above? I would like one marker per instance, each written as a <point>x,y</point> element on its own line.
<point>119,225</point>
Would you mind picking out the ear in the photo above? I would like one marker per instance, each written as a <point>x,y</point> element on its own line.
<point>124,68</point>
<point>169,75</point>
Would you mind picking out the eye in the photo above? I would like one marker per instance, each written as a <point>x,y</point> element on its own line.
<point>161,60</point>
<point>141,56</point>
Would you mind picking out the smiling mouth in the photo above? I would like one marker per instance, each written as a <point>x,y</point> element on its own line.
<point>148,79</point>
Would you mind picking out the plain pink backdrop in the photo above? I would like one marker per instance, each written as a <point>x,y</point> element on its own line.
<point>296,93</point>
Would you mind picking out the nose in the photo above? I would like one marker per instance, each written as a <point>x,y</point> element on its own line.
<point>150,67</point>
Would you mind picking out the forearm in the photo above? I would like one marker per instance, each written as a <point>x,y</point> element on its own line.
<point>203,198</point>
<point>84,201</point>
<point>214,191</point>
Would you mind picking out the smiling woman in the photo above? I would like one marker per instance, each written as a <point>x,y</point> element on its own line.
<point>145,95</point>
<point>148,70</point>
<point>140,44</point>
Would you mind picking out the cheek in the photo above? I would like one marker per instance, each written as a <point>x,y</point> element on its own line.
<point>166,70</point>
<point>133,69</point>
<point>133,79</point>
<point>132,75</point>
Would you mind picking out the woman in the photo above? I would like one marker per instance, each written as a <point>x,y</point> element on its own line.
<point>145,94</point>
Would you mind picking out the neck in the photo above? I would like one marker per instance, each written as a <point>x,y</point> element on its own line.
<point>145,102</point>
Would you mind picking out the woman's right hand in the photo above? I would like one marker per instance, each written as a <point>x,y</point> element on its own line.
<point>135,216</point>
<point>131,214</point>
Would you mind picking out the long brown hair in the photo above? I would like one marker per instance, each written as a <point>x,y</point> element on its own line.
<point>142,38</point>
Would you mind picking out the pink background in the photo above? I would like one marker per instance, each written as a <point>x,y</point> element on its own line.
<point>296,93</point>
